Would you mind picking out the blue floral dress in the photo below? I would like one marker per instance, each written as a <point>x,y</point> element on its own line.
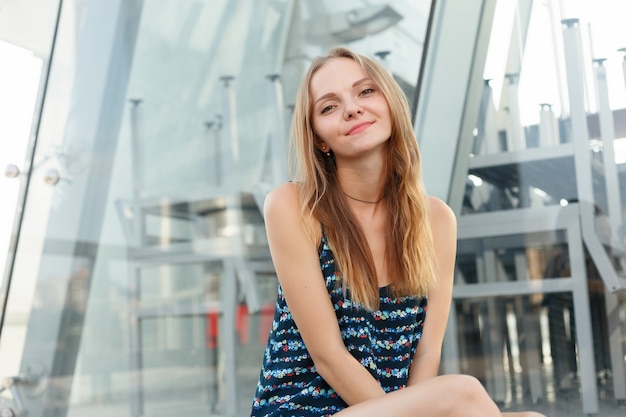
<point>383,341</point>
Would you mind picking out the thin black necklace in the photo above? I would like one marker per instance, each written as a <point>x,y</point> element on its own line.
<point>365,201</point>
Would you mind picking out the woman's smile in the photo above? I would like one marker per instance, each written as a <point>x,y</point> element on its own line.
<point>348,105</point>
<point>359,127</point>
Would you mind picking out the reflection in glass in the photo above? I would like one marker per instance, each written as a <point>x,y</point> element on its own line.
<point>167,122</point>
<point>541,222</point>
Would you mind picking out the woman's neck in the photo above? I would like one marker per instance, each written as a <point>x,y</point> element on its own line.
<point>362,185</point>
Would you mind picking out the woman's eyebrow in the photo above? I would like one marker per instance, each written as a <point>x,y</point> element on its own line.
<point>330,95</point>
<point>325,96</point>
<point>361,81</point>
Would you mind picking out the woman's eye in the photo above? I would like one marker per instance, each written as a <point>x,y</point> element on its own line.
<point>367,91</point>
<point>326,109</point>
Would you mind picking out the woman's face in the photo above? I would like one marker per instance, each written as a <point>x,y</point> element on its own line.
<point>350,115</point>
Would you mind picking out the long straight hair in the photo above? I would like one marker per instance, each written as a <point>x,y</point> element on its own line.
<point>410,254</point>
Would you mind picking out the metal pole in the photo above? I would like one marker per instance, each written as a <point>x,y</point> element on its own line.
<point>493,337</point>
<point>230,148</point>
<point>278,147</point>
<point>607,131</point>
<point>529,326</point>
<point>580,139</point>
<point>137,169</point>
<point>624,64</point>
<point>515,132</point>
<point>490,136</point>
<point>212,134</point>
<point>227,338</point>
<point>136,241</point>
<point>555,19</point>
<point>614,328</point>
<point>484,143</point>
<point>548,127</point>
<point>234,222</point>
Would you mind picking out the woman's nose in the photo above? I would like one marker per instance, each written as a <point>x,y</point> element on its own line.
<point>351,110</point>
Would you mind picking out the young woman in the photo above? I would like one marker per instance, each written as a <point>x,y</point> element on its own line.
<point>359,250</point>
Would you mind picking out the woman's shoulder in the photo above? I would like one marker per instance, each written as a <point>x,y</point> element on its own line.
<point>283,199</point>
<point>283,206</point>
<point>440,213</point>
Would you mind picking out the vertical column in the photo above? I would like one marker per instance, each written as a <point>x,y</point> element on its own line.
<point>227,338</point>
<point>554,12</point>
<point>580,138</point>
<point>491,138</point>
<point>229,169</point>
<point>278,142</point>
<point>607,131</point>
<point>616,348</point>
<point>584,335</point>
<point>578,116</point>
<point>213,135</point>
<point>529,328</point>
<point>230,144</point>
<point>493,339</point>
<point>136,241</point>
<point>548,127</point>
<point>516,139</point>
<point>486,139</point>
<point>234,226</point>
<point>137,169</point>
<point>624,64</point>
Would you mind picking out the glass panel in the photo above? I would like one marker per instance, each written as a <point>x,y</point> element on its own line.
<point>524,349</point>
<point>541,223</point>
<point>25,51</point>
<point>151,287</point>
<point>509,258</point>
<point>19,82</point>
<point>521,346</point>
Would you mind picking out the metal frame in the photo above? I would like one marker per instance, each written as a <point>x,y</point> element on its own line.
<point>520,222</point>
<point>580,225</point>
<point>237,257</point>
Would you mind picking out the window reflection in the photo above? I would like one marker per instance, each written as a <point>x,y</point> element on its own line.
<point>541,225</point>
<point>204,137</point>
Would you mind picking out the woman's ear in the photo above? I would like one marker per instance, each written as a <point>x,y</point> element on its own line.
<point>322,146</point>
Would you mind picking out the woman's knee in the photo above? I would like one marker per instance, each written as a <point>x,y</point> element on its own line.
<point>467,387</point>
<point>469,397</point>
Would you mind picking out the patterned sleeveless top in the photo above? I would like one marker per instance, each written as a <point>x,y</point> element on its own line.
<point>383,341</point>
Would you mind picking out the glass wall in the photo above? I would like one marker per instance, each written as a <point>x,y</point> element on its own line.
<point>145,284</point>
<point>539,312</point>
<point>142,282</point>
<point>25,48</point>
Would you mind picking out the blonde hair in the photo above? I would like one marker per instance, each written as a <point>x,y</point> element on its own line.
<point>410,254</point>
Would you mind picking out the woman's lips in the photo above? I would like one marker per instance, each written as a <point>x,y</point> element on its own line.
<point>358,128</point>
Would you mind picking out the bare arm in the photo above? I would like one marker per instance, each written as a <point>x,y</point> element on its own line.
<point>427,357</point>
<point>297,265</point>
